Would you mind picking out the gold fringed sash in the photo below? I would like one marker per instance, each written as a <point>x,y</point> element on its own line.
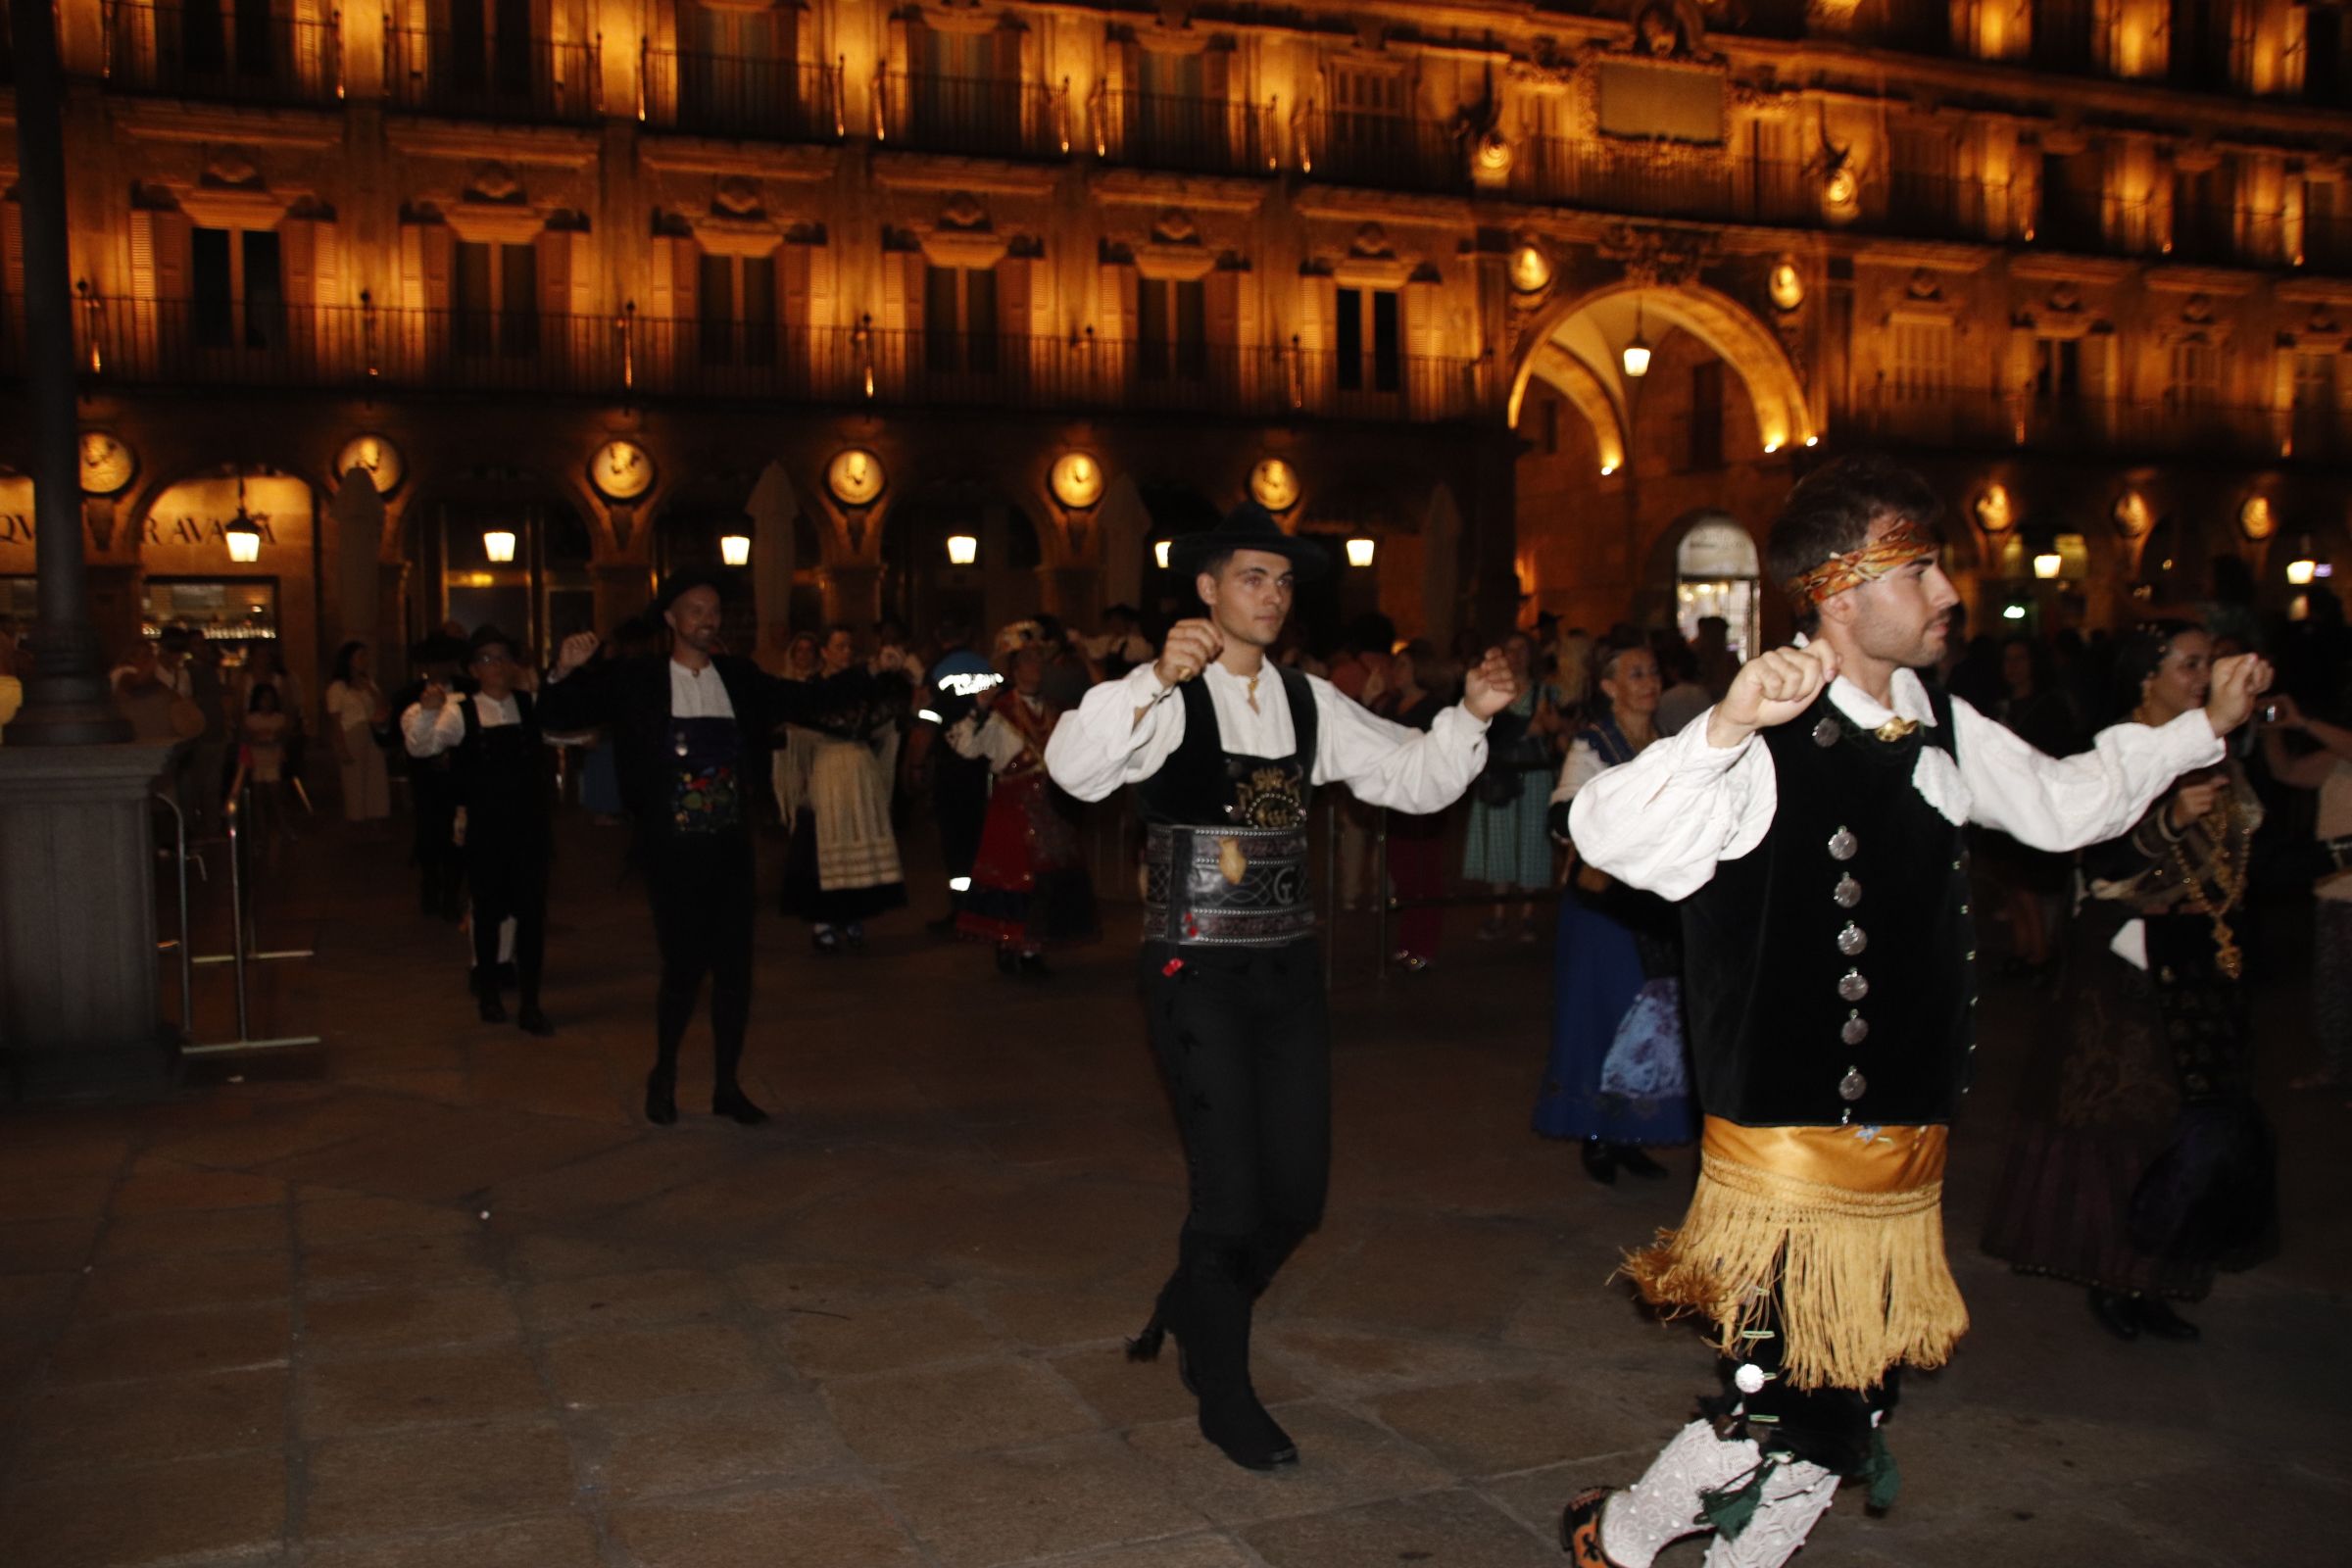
<point>1849,1233</point>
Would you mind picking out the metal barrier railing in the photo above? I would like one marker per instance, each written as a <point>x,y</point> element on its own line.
<point>243,934</point>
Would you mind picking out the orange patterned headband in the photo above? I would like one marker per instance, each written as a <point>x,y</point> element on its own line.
<point>1897,548</point>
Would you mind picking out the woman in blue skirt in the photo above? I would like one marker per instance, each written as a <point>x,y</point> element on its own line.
<point>1617,1078</point>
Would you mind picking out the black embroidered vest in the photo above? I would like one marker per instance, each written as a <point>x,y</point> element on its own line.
<point>1830,972</point>
<point>1204,785</point>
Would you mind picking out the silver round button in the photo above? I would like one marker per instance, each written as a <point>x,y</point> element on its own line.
<point>1848,893</point>
<point>1853,986</point>
<point>1852,940</point>
<point>1842,845</point>
<point>1829,732</point>
<point>1854,1085</point>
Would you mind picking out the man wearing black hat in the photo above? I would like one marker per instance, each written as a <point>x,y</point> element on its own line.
<point>502,777</point>
<point>439,660</point>
<point>1224,749</point>
<point>691,735</point>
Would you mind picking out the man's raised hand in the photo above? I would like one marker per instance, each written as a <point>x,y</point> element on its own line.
<point>2236,682</point>
<point>578,648</point>
<point>1190,647</point>
<point>1771,689</point>
<point>1489,687</point>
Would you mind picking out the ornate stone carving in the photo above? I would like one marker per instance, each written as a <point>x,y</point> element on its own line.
<point>1662,257</point>
<point>1175,226</point>
<point>493,182</point>
<point>1371,240</point>
<point>962,211</point>
<point>1924,285</point>
<point>738,197</point>
<point>232,167</point>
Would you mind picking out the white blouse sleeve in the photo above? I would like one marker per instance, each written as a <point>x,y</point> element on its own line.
<point>993,741</point>
<point>1663,820</point>
<point>428,732</point>
<point>1386,763</point>
<point>2061,804</point>
<point>1583,766</point>
<point>1103,745</point>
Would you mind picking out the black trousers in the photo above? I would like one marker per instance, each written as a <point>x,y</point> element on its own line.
<point>703,899</point>
<point>506,868</point>
<point>960,805</point>
<point>1244,1040</point>
<point>440,863</point>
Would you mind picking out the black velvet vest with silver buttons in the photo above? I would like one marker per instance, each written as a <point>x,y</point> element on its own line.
<point>1830,972</point>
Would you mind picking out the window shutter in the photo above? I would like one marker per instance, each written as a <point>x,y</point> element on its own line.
<point>686,279</point>
<point>297,239</point>
<point>12,248</point>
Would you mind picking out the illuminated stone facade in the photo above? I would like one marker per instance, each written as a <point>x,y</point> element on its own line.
<point>620,273</point>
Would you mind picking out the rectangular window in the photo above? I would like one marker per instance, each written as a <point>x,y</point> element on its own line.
<point>1706,414</point>
<point>2057,368</point>
<point>2196,380</point>
<point>1171,327</point>
<point>1369,344</point>
<point>2323,55</point>
<point>738,302</point>
<point>716,298</point>
<point>494,303</point>
<point>239,288</point>
<point>960,320</point>
<point>1923,356</point>
<point>2315,390</point>
<point>2323,230</point>
<point>212,279</point>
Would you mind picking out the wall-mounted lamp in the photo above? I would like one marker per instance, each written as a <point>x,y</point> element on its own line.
<point>962,549</point>
<point>1159,553</point>
<point>735,549</point>
<point>1360,552</point>
<point>498,546</point>
<point>2048,564</point>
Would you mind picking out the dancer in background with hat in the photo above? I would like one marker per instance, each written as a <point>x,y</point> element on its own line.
<point>690,733</point>
<point>1030,884</point>
<point>1224,750</point>
<point>1810,825</point>
<point>502,776</point>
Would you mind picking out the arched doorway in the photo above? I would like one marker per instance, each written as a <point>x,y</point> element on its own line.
<point>964,552</point>
<point>189,577</point>
<point>1716,574</point>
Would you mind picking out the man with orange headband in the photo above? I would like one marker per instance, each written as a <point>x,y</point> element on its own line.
<point>1810,823</point>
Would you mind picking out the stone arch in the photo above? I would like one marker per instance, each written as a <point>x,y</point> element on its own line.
<point>1587,331</point>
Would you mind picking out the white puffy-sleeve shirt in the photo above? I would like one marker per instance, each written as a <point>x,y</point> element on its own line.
<point>1104,745</point>
<point>986,737</point>
<point>1663,820</point>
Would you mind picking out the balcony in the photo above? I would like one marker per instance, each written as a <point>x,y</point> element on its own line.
<point>476,76</point>
<point>1182,135</point>
<point>185,344</point>
<point>1383,152</point>
<point>751,100</point>
<point>983,117</point>
<point>1985,420</point>
<point>223,52</point>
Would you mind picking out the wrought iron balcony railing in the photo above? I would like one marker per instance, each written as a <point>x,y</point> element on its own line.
<point>1383,151</point>
<point>218,50</point>
<point>740,96</point>
<point>1192,136</point>
<point>193,344</point>
<point>988,117</point>
<point>1978,419</point>
<point>480,77</point>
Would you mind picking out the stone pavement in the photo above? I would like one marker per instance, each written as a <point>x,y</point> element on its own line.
<point>433,1296</point>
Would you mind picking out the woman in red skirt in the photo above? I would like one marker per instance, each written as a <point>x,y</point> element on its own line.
<point>1030,887</point>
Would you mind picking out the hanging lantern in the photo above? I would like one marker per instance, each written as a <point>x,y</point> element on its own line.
<point>962,549</point>
<point>498,546</point>
<point>735,549</point>
<point>1360,552</point>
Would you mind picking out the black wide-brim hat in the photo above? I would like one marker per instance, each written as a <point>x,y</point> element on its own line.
<point>720,580</point>
<point>438,649</point>
<point>1248,527</point>
<point>490,637</point>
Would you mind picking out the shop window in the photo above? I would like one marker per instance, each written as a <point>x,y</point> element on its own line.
<point>738,301</point>
<point>1370,338</point>
<point>1171,326</point>
<point>495,300</point>
<point>960,320</point>
<point>238,282</point>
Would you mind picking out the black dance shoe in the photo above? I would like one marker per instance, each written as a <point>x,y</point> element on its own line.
<point>662,1098</point>
<point>1244,1432</point>
<point>1600,1161</point>
<point>2117,1312</point>
<point>1632,1157</point>
<point>491,1008</point>
<point>826,942</point>
<point>737,1107</point>
<point>534,1022</point>
<point>1033,967</point>
<point>2157,1317</point>
<point>1008,960</point>
<point>1579,1529</point>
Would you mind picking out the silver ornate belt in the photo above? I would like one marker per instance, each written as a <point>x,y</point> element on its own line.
<point>1226,887</point>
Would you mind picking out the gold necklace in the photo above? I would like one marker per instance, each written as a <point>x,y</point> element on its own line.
<point>2229,884</point>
